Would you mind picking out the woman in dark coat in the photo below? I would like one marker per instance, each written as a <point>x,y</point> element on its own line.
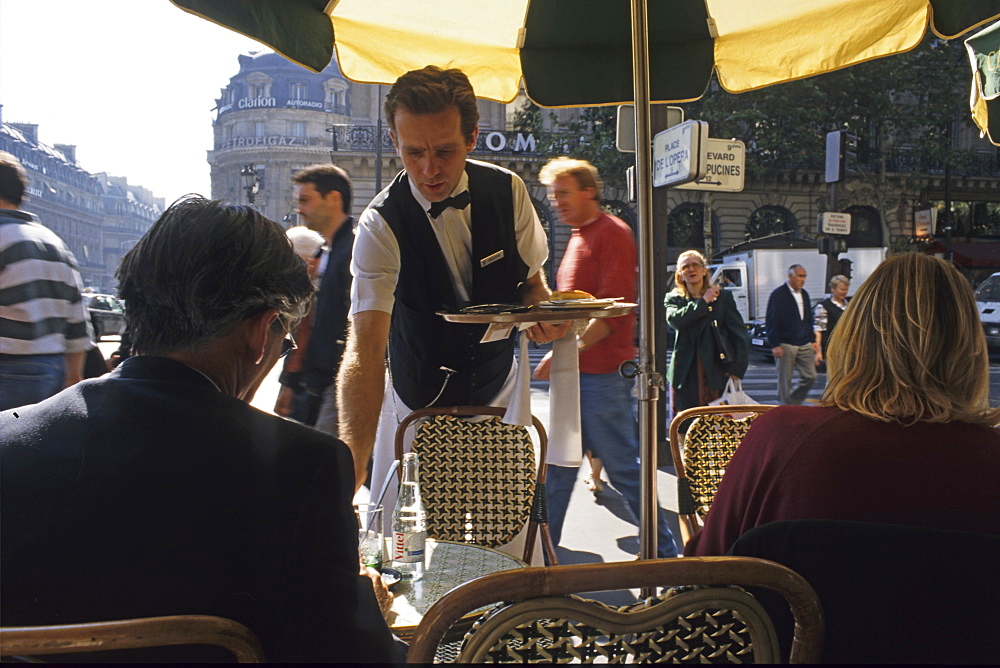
<point>695,373</point>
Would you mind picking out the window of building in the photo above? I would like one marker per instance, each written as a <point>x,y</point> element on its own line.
<point>258,85</point>
<point>335,96</point>
<point>298,92</point>
<point>768,220</point>
<point>298,129</point>
<point>970,218</point>
<point>866,231</point>
<point>686,227</point>
<point>260,129</point>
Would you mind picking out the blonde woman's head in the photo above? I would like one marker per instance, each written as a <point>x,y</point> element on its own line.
<point>910,347</point>
<point>691,260</point>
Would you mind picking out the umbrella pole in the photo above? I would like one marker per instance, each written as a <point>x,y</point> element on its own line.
<point>649,380</point>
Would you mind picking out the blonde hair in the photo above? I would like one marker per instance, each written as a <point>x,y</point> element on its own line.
<point>910,347</point>
<point>586,174</point>
<point>839,279</point>
<point>680,287</point>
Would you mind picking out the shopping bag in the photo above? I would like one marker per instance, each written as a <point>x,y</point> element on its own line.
<point>734,395</point>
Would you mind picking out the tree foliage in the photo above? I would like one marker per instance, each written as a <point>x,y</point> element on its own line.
<point>906,101</point>
<point>589,135</point>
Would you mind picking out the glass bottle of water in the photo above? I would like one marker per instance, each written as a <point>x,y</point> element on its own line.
<point>409,523</point>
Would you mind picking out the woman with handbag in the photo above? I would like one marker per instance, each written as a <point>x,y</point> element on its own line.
<point>712,344</point>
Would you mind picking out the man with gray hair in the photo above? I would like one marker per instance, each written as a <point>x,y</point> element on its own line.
<point>790,336</point>
<point>158,490</point>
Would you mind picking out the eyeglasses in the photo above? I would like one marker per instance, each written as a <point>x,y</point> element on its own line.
<point>287,344</point>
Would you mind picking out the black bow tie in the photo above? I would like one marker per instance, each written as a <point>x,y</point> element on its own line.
<point>459,201</point>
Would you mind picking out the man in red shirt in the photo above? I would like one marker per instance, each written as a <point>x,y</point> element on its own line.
<point>600,259</point>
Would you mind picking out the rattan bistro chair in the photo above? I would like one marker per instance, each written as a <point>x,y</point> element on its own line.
<point>479,480</point>
<point>27,642</point>
<point>702,455</point>
<point>710,618</point>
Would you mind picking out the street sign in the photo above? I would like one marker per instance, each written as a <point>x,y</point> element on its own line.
<point>835,223</point>
<point>924,222</point>
<point>625,136</point>
<point>677,154</point>
<point>725,167</point>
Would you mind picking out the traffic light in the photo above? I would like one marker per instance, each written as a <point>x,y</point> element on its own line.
<point>831,245</point>
<point>848,153</point>
<point>841,155</point>
<point>845,267</point>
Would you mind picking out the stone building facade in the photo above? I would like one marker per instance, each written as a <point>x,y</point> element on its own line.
<point>97,215</point>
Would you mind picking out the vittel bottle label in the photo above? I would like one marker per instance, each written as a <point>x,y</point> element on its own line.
<point>408,547</point>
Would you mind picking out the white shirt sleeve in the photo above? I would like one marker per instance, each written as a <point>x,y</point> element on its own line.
<point>374,265</point>
<point>532,244</point>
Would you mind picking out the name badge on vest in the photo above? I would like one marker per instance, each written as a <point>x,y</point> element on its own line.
<point>490,259</point>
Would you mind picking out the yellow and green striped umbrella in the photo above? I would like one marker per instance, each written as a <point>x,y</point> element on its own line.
<point>578,52</point>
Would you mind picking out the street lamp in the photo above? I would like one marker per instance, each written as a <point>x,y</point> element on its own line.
<point>250,181</point>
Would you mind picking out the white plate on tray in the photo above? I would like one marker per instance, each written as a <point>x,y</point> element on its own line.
<point>570,304</point>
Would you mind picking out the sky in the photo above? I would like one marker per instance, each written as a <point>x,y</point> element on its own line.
<point>131,83</point>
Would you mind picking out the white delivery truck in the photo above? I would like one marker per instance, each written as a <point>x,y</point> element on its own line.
<point>988,301</point>
<point>752,275</point>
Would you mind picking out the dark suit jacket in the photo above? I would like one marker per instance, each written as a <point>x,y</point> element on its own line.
<point>149,492</point>
<point>784,324</point>
<point>325,347</point>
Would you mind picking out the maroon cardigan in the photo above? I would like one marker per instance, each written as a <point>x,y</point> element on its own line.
<point>804,462</point>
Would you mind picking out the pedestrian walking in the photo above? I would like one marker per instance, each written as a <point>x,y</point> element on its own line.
<point>696,373</point>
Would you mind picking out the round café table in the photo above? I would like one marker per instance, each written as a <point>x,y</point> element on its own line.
<point>446,565</point>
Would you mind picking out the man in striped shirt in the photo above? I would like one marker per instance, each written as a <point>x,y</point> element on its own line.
<point>44,330</point>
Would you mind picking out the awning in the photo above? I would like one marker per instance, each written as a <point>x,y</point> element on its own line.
<point>971,253</point>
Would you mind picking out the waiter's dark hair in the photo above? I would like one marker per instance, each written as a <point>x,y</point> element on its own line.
<point>431,90</point>
<point>203,268</point>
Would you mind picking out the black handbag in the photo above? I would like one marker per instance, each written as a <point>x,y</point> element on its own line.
<point>724,354</point>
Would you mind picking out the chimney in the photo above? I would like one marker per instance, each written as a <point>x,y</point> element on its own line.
<point>29,130</point>
<point>69,150</point>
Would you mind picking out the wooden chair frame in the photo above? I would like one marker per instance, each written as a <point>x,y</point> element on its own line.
<point>690,521</point>
<point>141,633</point>
<point>540,593</point>
<point>538,518</point>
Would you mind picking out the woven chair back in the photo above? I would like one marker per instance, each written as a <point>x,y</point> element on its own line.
<point>537,617</point>
<point>701,625</point>
<point>702,455</point>
<point>477,479</point>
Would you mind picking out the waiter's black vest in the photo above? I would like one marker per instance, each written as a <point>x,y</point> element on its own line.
<point>421,342</point>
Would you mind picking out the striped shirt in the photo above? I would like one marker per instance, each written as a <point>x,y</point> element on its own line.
<point>41,310</point>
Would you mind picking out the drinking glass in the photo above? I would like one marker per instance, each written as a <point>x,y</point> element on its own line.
<point>370,536</point>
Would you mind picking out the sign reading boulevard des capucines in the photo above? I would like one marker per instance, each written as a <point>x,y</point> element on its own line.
<point>724,165</point>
